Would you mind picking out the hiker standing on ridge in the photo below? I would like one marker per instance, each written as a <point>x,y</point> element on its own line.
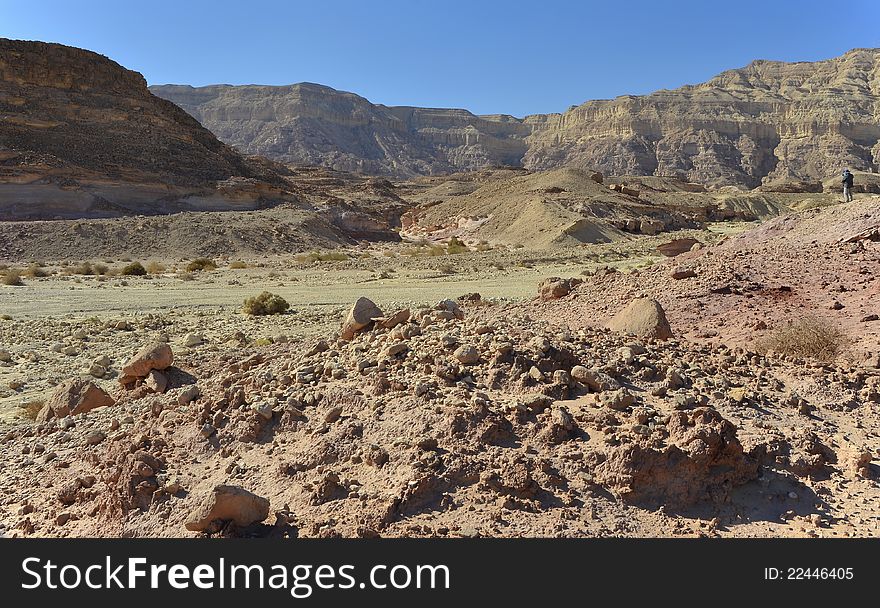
<point>847,185</point>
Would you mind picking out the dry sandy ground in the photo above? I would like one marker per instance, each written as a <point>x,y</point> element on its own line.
<point>481,421</point>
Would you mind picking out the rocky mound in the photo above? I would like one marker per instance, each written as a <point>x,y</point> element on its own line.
<point>563,207</point>
<point>440,421</point>
<point>817,264</point>
<point>82,136</point>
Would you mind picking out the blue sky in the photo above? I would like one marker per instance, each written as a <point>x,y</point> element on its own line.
<point>510,57</point>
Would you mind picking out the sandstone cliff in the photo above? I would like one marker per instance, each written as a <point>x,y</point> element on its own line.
<point>765,123</point>
<point>770,121</point>
<point>82,136</point>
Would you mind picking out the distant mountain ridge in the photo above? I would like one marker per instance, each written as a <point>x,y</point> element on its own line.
<point>767,122</point>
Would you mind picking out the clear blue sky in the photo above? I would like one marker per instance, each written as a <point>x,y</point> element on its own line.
<point>510,56</point>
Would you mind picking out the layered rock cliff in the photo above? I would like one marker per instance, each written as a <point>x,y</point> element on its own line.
<point>82,136</point>
<point>768,122</point>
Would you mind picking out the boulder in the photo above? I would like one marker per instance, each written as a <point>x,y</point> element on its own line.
<point>644,318</point>
<point>361,315</point>
<point>682,272</point>
<point>72,397</point>
<point>555,287</point>
<point>156,355</point>
<point>677,247</point>
<point>228,504</point>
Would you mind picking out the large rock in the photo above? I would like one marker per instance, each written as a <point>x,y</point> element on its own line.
<point>156,356</point>
<point>555,287</point>
<point>228,504</point>
<point>73,397</point>
<point>359,317</point>
<point>643,317</point>
<point>676,247</point>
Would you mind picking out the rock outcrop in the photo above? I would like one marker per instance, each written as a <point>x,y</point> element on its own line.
<point>81,136</point>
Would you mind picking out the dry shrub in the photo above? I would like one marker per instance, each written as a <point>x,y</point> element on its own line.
<point>456,246</point>
<point>36,271</point>
<point>807,337</point>
<point>201,264</point>
<point>238,265</point>
<point>154,267</point>
<point>12,278</point>
<point>135,269</point>
<point>320,256</point>
<point>265,304</point>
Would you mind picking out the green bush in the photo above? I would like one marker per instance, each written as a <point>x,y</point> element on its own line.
<point>265,304</point>
<point>135,269</point>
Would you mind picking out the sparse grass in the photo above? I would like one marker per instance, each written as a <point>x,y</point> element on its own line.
<point>36,271</point>
<point>320,256</point>
<point>154,267</point>
<point>238,265</point>
<point>12,278</point>
<point>199,264</point>
<point>456,246</point>
<point>807,337</point>
<point>265,304</point>
<point>135,269</point>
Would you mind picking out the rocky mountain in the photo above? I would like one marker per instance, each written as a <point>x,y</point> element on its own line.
<point>765,123</point>
<point>313,124</point>
<point>82,136</point>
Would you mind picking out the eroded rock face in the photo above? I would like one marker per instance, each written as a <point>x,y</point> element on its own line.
<point>643,317</point>
<point>228,504</point>
<point>701,459</point>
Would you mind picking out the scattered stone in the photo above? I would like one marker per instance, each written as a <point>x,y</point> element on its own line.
<point>681,272</point>
<point>194,339</point>
<point>156,381</point>
<point>188,394</point>
<point>467,355</point>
